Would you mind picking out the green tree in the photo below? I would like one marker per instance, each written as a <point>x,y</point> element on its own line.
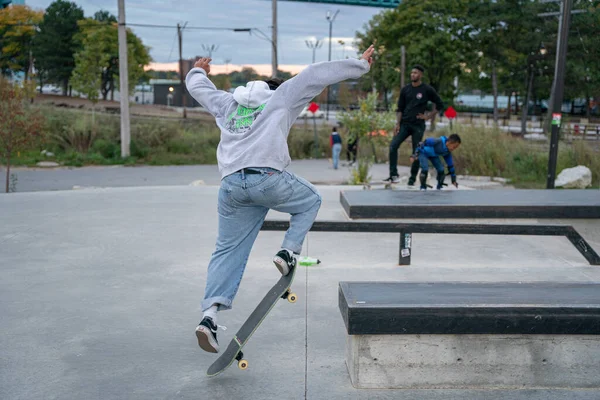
<point>112,63</point>
<point>221,81</point>
<point>97,61</point>
<point>428,31</point>
<point>583,69</point>
<point>55,45</point>
<point>17,30</point>
<point>91,62</point>
<point>499,36</point>
<point>105,16</point>
<point>152,74</point>
<point>371,128</point>
<point>20,125</point>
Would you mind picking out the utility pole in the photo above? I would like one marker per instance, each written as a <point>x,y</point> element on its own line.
<point>124,82</point>
<point>330,19</point>
<point>558,86</point>
<point>182,92</point>
<point>314,46</point>
<point>274,41</point>
<point>402,66</point>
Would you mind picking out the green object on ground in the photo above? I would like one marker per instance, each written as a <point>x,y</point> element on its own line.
<point>308,261</point>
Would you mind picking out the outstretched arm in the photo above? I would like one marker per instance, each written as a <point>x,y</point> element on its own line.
<point>204,91</point>
<point>450,164</point>
<point>296,92</point>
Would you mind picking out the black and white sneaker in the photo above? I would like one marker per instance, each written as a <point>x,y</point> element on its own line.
<point>206,333</point>
<point>392,179</point>
<point>284,261</point>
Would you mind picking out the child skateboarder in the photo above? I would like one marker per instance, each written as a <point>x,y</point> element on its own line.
<point>431,150</point>
<point>255,122</point>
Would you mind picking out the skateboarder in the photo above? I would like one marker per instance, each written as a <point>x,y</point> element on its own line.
<point>255,122</point>
<point>411,117</point>
<point>431,150</point>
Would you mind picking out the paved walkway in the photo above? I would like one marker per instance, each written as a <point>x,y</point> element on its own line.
<point>316,171</point>
<point>100,292</point>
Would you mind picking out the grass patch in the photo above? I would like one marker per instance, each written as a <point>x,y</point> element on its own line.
<point>78,138</point>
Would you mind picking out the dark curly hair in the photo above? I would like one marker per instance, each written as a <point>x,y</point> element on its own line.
<point>274,83</point>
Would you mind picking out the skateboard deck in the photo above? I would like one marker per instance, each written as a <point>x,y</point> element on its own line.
<point>234,350</point>
<point>388,185</point>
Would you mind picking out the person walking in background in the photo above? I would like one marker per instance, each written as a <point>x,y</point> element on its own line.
<point>352,149</point>
<point>411,117</point>
<point>335,141</point>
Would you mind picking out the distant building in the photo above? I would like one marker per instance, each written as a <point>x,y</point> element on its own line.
<point>168,92</point>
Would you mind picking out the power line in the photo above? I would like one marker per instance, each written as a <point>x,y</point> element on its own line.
<point>173,46</point>
<point>94,24</point>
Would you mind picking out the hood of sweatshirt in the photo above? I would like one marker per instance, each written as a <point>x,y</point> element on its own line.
<point>253,94</point>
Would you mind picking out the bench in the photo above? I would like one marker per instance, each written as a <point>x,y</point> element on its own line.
<point>454,335</point>
<point>407,229</point>
<point>402,204</point>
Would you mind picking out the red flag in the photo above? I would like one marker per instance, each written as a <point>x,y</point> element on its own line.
<point>450,113</point>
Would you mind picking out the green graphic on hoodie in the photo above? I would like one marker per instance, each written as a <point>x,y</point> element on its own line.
<point>242,118</point>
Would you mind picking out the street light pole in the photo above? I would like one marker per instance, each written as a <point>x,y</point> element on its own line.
<point>559,86</point>
<point>330,19</point>
<point>210,49</point>
<point>314,46</point>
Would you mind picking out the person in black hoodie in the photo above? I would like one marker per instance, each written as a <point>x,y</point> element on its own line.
<point>411,117</point>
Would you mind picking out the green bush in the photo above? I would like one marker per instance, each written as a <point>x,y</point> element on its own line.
<point>154,132</point>
<point>107,149</point>
<point>137,149</point>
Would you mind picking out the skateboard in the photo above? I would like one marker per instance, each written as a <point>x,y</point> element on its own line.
<point>388,185</point>
<point>281,290</point>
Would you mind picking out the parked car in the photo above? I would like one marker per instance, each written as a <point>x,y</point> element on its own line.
<point>307,114</point>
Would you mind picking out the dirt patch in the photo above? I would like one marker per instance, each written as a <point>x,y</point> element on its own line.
<point>113,107</point>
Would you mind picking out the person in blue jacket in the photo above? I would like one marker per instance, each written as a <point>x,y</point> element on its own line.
<point>431,150</point>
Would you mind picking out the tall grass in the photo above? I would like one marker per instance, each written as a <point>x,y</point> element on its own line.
<point>496,153</point>
<point>77,141</point>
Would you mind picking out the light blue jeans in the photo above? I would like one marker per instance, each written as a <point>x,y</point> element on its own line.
<point>244,200</point>
<point>335,153</point>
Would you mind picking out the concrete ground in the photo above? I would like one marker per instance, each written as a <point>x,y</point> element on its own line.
<point>316,171</point>
<point>100,293</point>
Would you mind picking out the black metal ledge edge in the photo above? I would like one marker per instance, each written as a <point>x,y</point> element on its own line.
<point>408,210</point>
<point>524,320</point>
<point>458,211</point>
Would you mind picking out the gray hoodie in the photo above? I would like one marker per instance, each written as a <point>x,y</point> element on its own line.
<point>255,121</point>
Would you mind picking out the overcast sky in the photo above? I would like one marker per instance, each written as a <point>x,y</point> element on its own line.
<point>297,22</point>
